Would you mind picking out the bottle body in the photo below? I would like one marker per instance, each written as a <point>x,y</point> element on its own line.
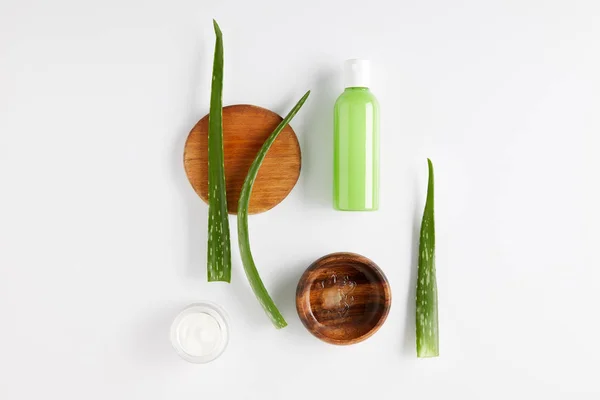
<point>356,151</point>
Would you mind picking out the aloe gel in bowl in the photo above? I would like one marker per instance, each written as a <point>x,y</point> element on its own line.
<point>356,142</point>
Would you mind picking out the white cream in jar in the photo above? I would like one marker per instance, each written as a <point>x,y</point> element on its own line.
<point>200,332</point>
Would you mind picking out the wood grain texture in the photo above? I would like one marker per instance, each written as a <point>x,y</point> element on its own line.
<point>343,298</point>
<point>245,128</point>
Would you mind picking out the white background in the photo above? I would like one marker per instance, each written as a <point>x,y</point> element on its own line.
<point>102,239</point>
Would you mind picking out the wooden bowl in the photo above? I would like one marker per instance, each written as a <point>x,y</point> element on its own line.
<point>245,129</point>
<point>343,298</point>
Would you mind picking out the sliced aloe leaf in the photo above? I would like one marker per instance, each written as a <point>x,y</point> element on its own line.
<point>256,283</point>
<point>427,300</point>
<point>219,247</point>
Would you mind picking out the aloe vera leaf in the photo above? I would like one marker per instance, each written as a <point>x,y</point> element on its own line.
<point>427,301</point>
<point>219,247</point>
<point>256,283</point>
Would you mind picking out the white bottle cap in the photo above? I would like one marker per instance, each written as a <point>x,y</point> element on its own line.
<point>357,73</point>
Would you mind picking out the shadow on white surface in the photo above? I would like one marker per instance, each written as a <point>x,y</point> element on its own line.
<point>193,207</point>
<point>284,295</point>
<point>150,337</point>
<point>247,305</point>
<point>317,140</point>
<point>410,337</point>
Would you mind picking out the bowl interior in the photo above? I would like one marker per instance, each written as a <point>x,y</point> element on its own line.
<point>343,298</point>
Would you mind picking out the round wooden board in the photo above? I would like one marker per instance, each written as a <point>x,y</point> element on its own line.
<point>245,129</point>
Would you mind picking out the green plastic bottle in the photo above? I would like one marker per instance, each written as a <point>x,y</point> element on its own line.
<point>356,142</point>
